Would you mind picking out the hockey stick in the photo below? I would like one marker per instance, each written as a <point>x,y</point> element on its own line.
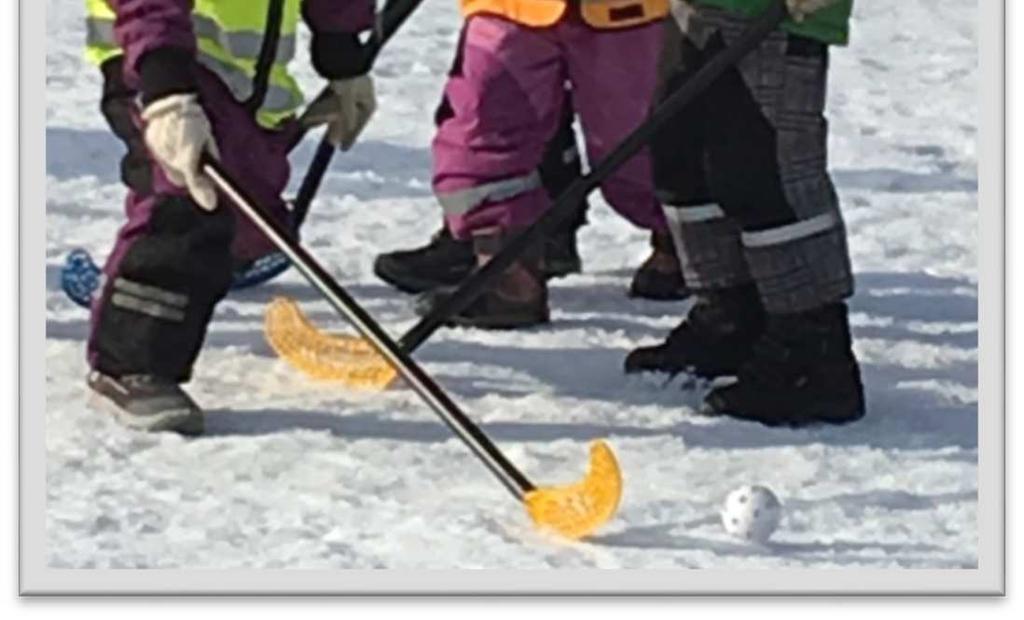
<point>573,510</point>
<point>390,19</point>
<point>341,359</point>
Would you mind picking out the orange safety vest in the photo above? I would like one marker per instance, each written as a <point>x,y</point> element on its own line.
<point>601,14</point>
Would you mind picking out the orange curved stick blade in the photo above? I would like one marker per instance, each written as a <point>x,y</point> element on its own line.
<point>578,510</point>
<point>332,357</point>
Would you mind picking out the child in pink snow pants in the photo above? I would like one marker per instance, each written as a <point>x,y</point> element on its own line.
<point>501,106</point>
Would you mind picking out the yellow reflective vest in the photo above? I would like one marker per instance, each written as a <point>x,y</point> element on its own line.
<point>229,35</point>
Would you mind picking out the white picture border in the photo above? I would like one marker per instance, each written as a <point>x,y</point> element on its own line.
<point>36,578</point>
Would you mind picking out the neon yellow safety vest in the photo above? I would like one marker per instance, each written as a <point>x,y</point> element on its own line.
<point>229,36</point>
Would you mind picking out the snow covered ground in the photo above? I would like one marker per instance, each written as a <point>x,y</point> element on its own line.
<point>299,474</point>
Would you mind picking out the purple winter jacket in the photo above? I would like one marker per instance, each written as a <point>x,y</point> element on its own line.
<point>146,25</point>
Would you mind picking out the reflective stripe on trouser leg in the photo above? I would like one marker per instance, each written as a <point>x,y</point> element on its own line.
<point>171,264</point>
<point>708,245</point>
<point>462,201</point>
<point>149,300</point>
<point>799,267</point>
<point>793,236</point>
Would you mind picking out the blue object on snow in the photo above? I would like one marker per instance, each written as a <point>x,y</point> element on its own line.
<point>80,277</point>
<point>263,269</point>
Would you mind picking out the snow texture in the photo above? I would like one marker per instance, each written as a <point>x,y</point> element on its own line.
<point>298,474</point>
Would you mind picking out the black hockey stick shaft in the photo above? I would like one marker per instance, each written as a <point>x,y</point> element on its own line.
<point>567,203</point>
<point>421,382</point>
<point>390,20</point>
<point>311,182</point>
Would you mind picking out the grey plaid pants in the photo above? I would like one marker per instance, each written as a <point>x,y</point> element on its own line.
<point>742,172</point>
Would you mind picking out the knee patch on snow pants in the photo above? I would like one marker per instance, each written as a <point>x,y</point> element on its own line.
<point>159,297</point>
<point>743,170</point>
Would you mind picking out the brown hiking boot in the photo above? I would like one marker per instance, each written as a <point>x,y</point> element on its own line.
<point>519,297</point>
<point>660,277</point>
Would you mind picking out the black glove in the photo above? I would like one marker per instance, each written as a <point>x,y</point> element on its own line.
<point>166,71</point>
<point>339,55</point>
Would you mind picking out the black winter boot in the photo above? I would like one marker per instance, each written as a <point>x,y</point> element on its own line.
<point>714,339</point>
<point>446,261</point>
<point>802,372</point>
<point>443,262</point>
<point>660,278</point>
<point>519,297</point>
<point>146,403</point>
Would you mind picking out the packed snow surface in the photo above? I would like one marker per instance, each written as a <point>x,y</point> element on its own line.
<point>294,473</point>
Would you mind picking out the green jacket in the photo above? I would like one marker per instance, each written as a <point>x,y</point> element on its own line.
<point>830,25</point>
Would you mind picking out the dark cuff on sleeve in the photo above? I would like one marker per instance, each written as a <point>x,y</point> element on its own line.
<point>114,84</point>
<point>338,55</point>
<point>166,71</point>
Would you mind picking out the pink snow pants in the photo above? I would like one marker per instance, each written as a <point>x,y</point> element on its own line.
<point>502,103</point>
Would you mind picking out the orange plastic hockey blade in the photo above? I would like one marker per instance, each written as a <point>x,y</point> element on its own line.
<point>578,510</point>
<point>331,357</point>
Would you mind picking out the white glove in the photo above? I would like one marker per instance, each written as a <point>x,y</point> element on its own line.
<point>346,106</point>
<point>800,9</point>
<point>178,134</point>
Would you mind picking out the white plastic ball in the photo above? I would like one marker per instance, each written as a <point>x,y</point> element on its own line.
<point>752,513</point>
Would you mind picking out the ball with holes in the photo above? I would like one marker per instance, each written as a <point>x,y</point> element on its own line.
<point>752,513</point>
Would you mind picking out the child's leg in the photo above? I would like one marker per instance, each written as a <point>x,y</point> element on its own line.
<point>615,74</point>
<point>707,241</point>
<point>767,143</point>
<point>560,167</point>
<point>170,265</point>
<point>614,77</point>
<point>172,261</point>
<point>445,261</point>
<point>501,106</point>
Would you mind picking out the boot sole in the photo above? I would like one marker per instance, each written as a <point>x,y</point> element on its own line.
<point>677,295</point>
<point>709,409</point>
<point>499,322</point>
<point>183,421</point>
<point>703,375</point>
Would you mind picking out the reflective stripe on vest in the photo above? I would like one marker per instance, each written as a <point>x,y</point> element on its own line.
<point>279,102</point>
<point>462,201</point>
<point>602,14</point>
<point>242,44</point>
<point>229,36</point>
